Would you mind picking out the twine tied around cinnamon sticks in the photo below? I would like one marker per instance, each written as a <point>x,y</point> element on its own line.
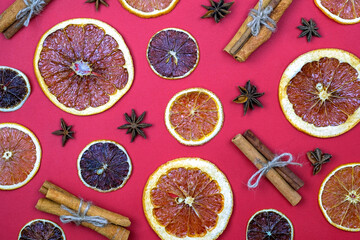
<point>261,17</point>
<point>34,7</point>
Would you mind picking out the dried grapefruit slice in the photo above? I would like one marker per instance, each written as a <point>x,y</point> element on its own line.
<point>319,92</point>
<point>20,155</point>
<point>188,198</point>
<point>339,197</point>
<point>41,229</point>
<point>14,89</point>
<point>342,11</point>
<point>149,8</point>
<point>83,66</point>
<point>172,53</point>
<point>269,224</point>
<point>104,165</point>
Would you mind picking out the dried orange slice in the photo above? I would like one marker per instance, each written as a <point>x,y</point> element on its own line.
<point>172,53</point>
<point>83,66</point>
<point>342,11</point>
<point>194,116</point>
<point>20,155</point>
<point>41,229</point>
<point>149,8</point>
<point>104,166</point>
<point>188,198</point>
<point>339,197</point>
<point>319,92</point>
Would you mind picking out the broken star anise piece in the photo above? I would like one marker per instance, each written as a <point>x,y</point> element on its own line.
<point>217,10</point>
<point>248,96</point>
<point>97,3</point>
<point>64,132</point>
<point>317,159</point>
<point>135,125</point>
<point>308,29</point>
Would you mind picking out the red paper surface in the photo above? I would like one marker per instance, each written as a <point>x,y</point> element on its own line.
<point>218,72</point>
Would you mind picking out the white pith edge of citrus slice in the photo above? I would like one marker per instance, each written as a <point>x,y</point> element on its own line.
<point>42,220</point>
<point>122,46</point>
<point>213,172</point>
<point>270,210</point>
<point>321,191</point>
<point>207,138</point>
<point>38,155</point>
<point>336,17</point>
<point>27,83</point>
<point>104,141</point>
<point>287,106</point>
<point>197,54</point>
<point>155,13</point>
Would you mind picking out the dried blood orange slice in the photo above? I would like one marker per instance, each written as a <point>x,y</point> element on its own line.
<point>20,155</point>
<point>104,165</point>
<point>342,11</point>
<point>269,224</point>
<point>319,92</point>
<point>194,116</point>
<point>188,198</point>
<point>149,8</point>
<point>41,229</point>
<point>173,53</point>
<point>14,89</point>
<point>339,197</point>
<point>83,66</point>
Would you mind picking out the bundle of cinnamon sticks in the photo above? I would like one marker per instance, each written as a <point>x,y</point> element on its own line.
<point>56,197</point>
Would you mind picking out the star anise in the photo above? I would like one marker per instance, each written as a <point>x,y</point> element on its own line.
<point>308,29</point>
<point>64,132</point>
<point>248,96</point>
<point>217,10</point>
<point>135,125</point>
<point>317,159</point>
<point>97,3</point>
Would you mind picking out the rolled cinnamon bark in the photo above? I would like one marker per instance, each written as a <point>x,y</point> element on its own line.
<point>8,17</point>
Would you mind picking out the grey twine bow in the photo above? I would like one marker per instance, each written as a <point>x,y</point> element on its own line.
<point>34,7</point>
<point>261,17</point>
<point>266,167</point>
<point>79,217</point>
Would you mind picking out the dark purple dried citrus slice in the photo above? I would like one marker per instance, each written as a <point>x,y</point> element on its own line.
<point>269,224</point>
<point>41,229</point>
<point>173,53</point>
<point>104,165</point>
<point>83,66</point>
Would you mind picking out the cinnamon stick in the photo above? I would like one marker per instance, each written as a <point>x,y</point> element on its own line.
<point>289,176</point>
<point>258,160</point>
<point>8,17</point>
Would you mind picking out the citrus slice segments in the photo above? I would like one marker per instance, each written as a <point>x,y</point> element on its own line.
<point>319,92</point>
<point>41,229</point>
<point>83,66</point>
<point>149,8</point>
<point>339,197</point>
<point>104,166</point>
<point>342,11</point>
<point>20,155</point>
<point>188,198</point>
<point>172,53</point>
<point>194,116</point>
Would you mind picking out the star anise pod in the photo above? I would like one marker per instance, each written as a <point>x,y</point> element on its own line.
<point>308,29</point>
<point>248,96</point>
<point>217,10</point>
<point>64,132</point>
<point>135,125</point>
<point>97,3</point>
<point>317,159</point>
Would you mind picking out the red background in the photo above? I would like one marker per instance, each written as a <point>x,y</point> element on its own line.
<point>218,72</point>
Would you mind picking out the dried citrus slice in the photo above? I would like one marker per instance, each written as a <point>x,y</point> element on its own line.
<point>41,229</point>
<point>194,116</point>
<point>188,198</point>
<point>339,197</point>
<point>269,224</point>
<point>173,53</point>
<point>20,155</point>
<point>149,8</point>
<point>319,92</point>
<point>104,165</point>
<point>14,89</point>
<point>83,66</point>
<point>342,11</point>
